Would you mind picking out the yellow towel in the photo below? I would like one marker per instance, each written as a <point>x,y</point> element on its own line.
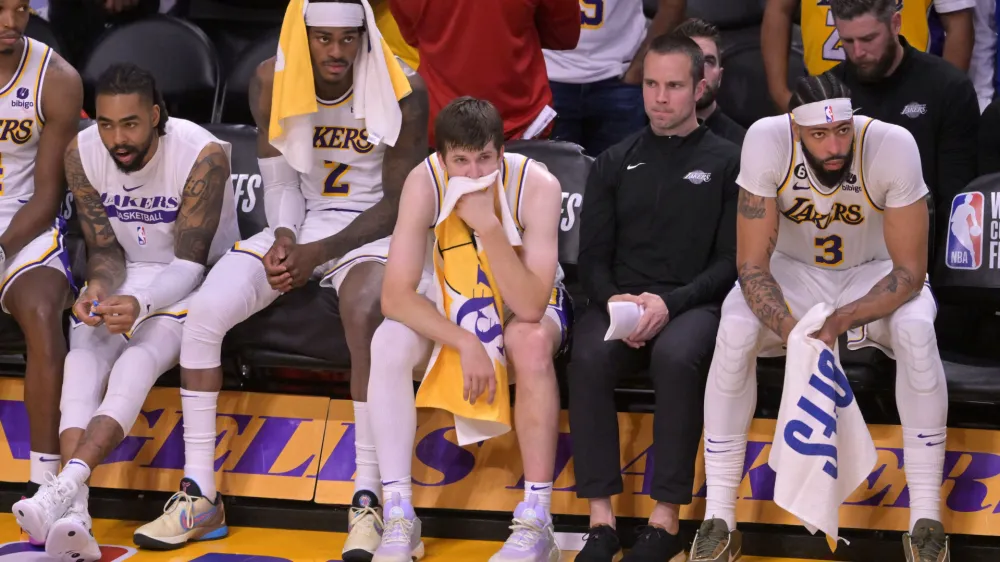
<point>468,295</point>
<point>379,84</point>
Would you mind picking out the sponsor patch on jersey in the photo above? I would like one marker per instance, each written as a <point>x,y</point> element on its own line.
<point>698,177</point>
<point>965,232</point>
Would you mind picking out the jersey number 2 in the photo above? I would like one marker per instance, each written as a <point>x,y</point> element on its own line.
<point>591,14</point>
<point>833,250</point>
<point>332,187</point>
<point>832,49</point>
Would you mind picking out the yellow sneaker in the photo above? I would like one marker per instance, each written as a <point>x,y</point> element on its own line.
<point>188,516</point>
<point>364,528</point>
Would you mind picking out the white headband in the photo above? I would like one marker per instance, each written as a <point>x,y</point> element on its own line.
<point>823,112</point>
<point>334,14</point>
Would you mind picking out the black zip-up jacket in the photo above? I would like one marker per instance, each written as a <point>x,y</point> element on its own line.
<point>659,216</point>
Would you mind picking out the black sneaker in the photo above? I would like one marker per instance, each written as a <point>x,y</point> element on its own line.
<point>655,544</point>
<point>602,545</point>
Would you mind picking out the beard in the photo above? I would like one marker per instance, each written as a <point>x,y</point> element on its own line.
<point>829,178</point>
<point>708,97</point>
<point>880,69</point>
<point>139,153</point>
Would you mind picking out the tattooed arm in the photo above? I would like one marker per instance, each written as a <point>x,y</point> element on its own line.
<point>106,263</point>
<point>905,231</point>
<point>756,237</point>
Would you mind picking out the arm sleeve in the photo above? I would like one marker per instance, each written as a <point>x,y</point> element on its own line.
<point>284,205</point>
<point>989,140</point>
<point>558,24</point>
<point>956,157</point>
<point>894,176</point>
<point>715,282</point>
<point>766,156</point>
<point>598,227</point>
<point>176,282</point>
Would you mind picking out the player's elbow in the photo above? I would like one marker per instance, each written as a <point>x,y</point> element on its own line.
<point>394,300</point>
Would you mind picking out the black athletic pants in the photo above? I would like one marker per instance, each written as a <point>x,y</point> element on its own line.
<point>678,359</point>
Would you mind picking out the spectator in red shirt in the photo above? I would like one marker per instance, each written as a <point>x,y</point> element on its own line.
<point>490,49</point>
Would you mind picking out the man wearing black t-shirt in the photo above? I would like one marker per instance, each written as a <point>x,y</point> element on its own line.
<point>706,35</point>
<point>893,82</point>
<point>658,229</point>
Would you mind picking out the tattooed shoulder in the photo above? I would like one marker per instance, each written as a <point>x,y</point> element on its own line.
<point>751,206</point>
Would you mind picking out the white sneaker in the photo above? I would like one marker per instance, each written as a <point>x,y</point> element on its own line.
<point>71,538</point>
<point>364,528</point>
<point>37,514</point>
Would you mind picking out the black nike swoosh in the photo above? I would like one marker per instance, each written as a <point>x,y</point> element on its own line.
<point>132,189</point>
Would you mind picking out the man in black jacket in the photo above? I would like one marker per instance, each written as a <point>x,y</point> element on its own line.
<point>658,230</point>
<point>893,82</point>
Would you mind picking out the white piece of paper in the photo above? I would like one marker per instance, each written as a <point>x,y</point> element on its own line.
<point>625,317</point>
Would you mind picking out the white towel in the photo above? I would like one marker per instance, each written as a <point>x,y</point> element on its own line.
<point>822,449</point>
<point>459,185</point>
<point>379,81</point>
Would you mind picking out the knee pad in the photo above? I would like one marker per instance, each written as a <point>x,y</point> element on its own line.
<point>211,315</point>
<point>735,354</point>
<point>396,349</point>
<point>84,378</point>
<point>914,344</point>
<point>132,377</point>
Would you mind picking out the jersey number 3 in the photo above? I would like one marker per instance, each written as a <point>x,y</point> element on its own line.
<point>333,187</point>
<point>833,250</point>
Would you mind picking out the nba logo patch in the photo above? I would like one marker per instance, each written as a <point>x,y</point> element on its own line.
<point>965,232</point>
<point>140,234</point>
<point>829,113</point>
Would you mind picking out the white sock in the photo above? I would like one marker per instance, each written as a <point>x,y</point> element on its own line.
<point>402,486</point>
<point>367,477</point>
<point>199,410</point>
<point>923,462</point>
<point>542,490</point>
<point>42,463</point>
<point>76,471</point>
<point>724,456</point>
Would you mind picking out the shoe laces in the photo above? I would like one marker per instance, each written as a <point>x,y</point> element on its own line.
<point>926,545</point>
<point>55,493</point>
<point>360,519</point>
<point>181,499</point>
<point>397,531</point>
<point>526,532</point>
<point>599,534</point>
<point>708,540</point>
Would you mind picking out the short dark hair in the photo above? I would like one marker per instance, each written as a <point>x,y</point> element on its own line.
<point>468,123</point>
<point>850,9</point>
<point>126,78</point>
<point>672,43</point>
<point>697,27</point>
<point>810,89</point>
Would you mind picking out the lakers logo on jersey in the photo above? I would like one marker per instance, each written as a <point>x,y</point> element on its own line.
<point>343,138</point>
<point>803,210</point>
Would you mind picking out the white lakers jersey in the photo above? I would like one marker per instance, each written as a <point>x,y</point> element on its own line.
<point>514,172</point>
<point>347,169</point>
<point>841,227</point>
<point>610,34</point>
<point>143,206</point>
<point>21,122</point>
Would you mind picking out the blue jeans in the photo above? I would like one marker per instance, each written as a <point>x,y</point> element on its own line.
<point>597,115</point>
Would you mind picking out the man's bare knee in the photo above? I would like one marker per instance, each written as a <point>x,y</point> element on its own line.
<point>529,346</point>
